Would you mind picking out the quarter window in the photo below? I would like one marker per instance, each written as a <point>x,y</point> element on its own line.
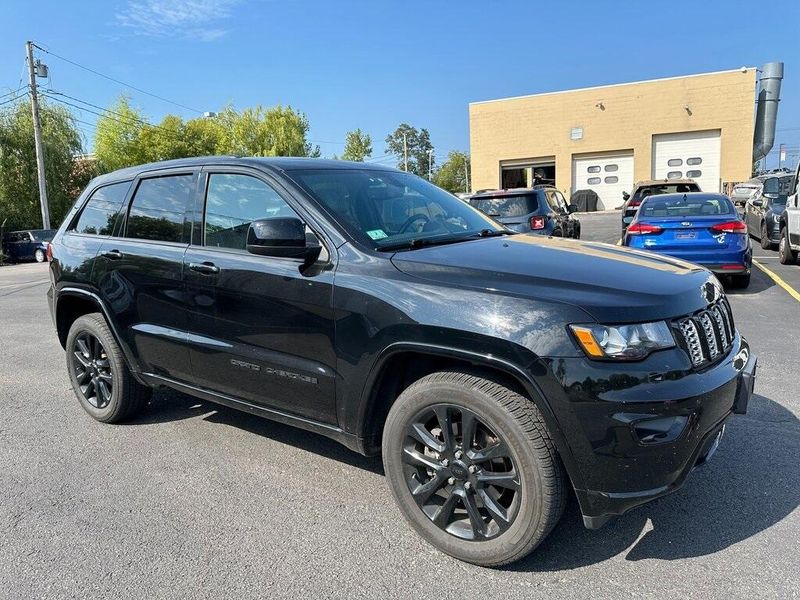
<point>695,160</point>
<point>159,207</point>
<point>233,202</point>
<point>101,210</point>
<point>674,162</point>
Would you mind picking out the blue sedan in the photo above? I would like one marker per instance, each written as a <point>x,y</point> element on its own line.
<point>697,227</point>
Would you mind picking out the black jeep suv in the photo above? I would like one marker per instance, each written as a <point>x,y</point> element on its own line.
<point>495,372</point>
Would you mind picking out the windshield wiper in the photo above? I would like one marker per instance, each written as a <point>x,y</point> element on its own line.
<point>422,242</point>
<point>494,232</point>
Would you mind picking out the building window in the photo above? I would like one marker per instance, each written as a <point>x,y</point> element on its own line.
<point>696,160</point>
<point>674,175</point>
<point>674,162</point>
<point>593,169</point>
<point>611,168</point>
<point>612,179</point>
<point>593,180</point>
<point>694,174</point>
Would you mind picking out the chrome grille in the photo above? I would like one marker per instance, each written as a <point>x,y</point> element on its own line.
<point>707,334</point>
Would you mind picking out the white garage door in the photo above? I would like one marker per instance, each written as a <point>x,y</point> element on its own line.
<point>694,155</point>
<point>608,175</point>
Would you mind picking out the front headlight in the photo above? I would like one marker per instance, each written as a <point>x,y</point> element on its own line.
<point>623,342</point>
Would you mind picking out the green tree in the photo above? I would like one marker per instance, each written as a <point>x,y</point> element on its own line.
<point>453,174</point>
<point>358,146</point>
<point>116,142</point>
<point>19,188</point>
<point>418,145</point>
<point>259,131</point>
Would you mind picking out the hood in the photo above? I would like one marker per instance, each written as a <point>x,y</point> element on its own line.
<point>611,283</point>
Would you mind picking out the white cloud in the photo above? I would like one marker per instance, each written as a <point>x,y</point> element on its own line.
<point>192,19</point>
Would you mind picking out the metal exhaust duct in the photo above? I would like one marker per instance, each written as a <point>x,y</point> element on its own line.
<point>767,109</point>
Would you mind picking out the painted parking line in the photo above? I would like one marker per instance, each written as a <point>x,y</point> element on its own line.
<point>619,242</point>
<point>792,292</point>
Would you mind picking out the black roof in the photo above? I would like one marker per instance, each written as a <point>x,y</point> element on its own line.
<point>275,163</point>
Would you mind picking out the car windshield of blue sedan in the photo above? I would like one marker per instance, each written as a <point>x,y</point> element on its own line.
<point>388,209</point>
<point>685,206</point>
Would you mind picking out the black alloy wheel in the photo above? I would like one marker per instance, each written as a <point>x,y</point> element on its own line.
<point>92,370</point>
<point>461,473</point>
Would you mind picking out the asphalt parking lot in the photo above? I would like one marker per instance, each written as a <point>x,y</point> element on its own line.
<point>192,500</point>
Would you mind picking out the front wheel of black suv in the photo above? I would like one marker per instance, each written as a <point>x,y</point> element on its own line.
<point>99,374</point>
<point>472,467</point>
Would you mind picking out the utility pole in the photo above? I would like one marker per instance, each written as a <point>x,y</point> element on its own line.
<point>37,138</point>
<point>466,175</point>
<point>405,152</point>
<point>430,164</point>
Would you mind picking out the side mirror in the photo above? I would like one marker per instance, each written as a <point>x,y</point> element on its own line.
<point>572,208</point>
<point>283,237</point>
<point>625,196</point>
<point>758,203</point>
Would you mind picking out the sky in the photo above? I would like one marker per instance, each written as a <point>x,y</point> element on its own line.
<point>374,64</point>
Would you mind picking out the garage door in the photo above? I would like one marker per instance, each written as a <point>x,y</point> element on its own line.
<point>693,154</point>
<point>608,175</point>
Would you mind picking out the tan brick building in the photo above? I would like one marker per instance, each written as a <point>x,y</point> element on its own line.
<point>605,138</point>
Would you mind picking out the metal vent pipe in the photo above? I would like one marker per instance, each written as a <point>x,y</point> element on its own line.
<point>767,109</point>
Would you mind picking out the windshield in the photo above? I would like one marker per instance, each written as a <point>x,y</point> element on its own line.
<point>665,188</point>
<point>686,206</point>
<point>386,208</point>
<point>506,206</point>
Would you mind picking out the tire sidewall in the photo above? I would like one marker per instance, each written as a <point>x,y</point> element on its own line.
<point>90,324</point>
<point>530,516</point>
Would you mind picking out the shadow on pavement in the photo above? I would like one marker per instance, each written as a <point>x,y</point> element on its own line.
<point>758,283</point>
<point>168,406</point>
<point>751,484</point>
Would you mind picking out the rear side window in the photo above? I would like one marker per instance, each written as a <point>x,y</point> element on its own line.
<point>158,210</point>
<point>100,212</point>
<point>507,206</point>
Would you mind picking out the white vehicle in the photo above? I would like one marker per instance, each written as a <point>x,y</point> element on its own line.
<point>790,223</point>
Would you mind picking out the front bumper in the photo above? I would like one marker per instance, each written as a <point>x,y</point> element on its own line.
<point>637,430</point>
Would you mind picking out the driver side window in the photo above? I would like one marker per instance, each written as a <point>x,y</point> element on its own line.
<point>233,201</point>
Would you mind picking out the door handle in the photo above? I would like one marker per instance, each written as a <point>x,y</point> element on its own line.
<point>112,254</point>
<point>206,268</point>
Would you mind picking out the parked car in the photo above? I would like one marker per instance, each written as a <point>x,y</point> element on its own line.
<point>762,213</point>
<point>697,227</point>
<point>789,244</point>
<point>495,372</point>
<point>541,209</point>
<point>30,244</point>
<point>746,191</point>
<point>652,187</point>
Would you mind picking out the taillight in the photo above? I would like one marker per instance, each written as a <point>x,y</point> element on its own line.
<point>537,222</point>
<point>634,203</point>
<point>49,252</point>
<point>644,229</point>
<point>730,227</point>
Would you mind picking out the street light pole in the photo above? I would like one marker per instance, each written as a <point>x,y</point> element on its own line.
<point>37,139</point>
<point>430,164</point>
<point>405,152</point>
<point>466,175</point>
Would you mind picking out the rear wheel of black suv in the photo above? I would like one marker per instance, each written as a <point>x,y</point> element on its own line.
<point>472,467</point>
<point>98,372</point>
<point>765,243</point>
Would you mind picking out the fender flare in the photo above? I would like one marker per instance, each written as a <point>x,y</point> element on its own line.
<point>133,364</point>
<point>519,374</point>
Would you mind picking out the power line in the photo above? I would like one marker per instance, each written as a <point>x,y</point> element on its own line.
<point>13,92</point>
<point>21,96</point>
<point>117,81</point>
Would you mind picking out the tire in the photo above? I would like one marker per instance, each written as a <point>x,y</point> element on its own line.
<point>765,243</point>
<point>740,281</point>
<point>557,233</point>
<point>99,374</point>
<point>39,255</point>
<point>508,423</point>
<point>785,252</point>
